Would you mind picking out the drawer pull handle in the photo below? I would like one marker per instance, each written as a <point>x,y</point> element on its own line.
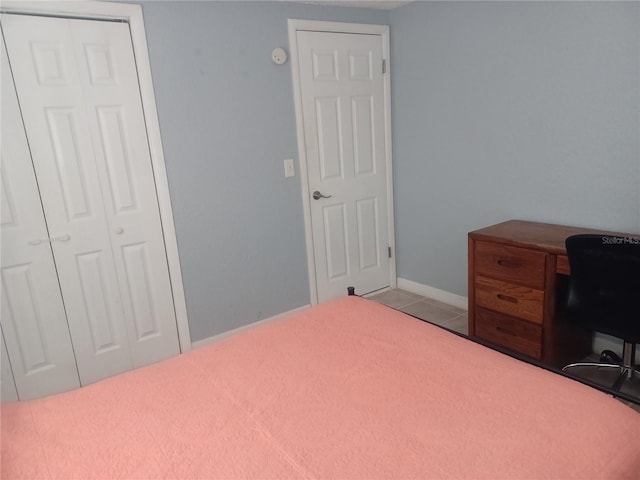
<point>509,263</point>
<point>507,298</point>
<point>58,238</point>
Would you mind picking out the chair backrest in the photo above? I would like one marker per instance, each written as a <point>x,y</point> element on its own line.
<point>604,286</point>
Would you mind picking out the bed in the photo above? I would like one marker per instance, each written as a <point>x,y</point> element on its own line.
<point>349,389</point>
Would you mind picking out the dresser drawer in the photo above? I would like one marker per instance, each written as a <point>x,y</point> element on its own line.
<point>512,333</point>
<point>511,264</point>
<point>515,300</point>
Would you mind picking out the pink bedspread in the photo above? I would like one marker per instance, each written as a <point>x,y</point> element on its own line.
<point>349,389</point>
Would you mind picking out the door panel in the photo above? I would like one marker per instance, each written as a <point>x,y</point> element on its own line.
<point>81,101</point>
<point>49,62</point>
<point>68,151</point>
<point>368,247</point>
<point>56,121</point>
<point>8,392</point>
<point>329,138</point>
<point>335,231</point>
<point>140,290</point>
<point>343,114</point>
<point>21,299</point>
<point>33,316</point>
<point>116,121</point>
<point>101,319</point>
<point>364,152</point>
<point>113,138</point>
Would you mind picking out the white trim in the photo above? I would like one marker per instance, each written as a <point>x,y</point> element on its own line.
<point>339,27</point>
<point>434,293</point>
<point>336,27</point>
<point>77,9</point>
<point>302,155</point>
<point>235,331</point>
<point>133,15</point>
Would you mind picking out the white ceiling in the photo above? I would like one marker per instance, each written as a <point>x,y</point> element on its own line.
<point>381,4</point>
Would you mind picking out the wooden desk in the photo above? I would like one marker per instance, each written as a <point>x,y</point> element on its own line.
<point>517,284</point>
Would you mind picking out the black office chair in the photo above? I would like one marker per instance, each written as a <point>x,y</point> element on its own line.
<point>604,295</point>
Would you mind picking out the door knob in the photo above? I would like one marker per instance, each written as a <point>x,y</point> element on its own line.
<point>317,195</point>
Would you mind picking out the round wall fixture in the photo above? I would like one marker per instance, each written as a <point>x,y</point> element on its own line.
<point>279,56</point>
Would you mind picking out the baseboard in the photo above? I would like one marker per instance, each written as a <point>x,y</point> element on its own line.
<point>223,335</point>
<point>435,293</point>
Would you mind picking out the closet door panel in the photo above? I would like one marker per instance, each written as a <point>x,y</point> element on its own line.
<point>83,105</point>
<point>109,79</point>
<point>42,54</point>
<point>8,392</point>
<point>33,316</point>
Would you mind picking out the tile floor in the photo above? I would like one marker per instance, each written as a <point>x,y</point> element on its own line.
<point>433,311</point>
<point>456,319</point>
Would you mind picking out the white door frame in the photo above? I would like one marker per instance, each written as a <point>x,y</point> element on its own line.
<point>132,14</point>
<point>339,27</point>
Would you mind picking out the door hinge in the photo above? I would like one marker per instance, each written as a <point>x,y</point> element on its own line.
<point>384,65</point>
<point>389,252</point>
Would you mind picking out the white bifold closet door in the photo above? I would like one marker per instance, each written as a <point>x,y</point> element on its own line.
<point>34,323</point>
<point>78,91</point>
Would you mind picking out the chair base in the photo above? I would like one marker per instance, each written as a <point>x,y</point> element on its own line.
<point>628,368</point>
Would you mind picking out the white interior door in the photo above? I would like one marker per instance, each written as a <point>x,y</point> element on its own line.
<point>342,90</point>
<point>78,90</point>
<point>33,316</point>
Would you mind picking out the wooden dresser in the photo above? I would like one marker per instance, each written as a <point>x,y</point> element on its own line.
<point>518,274</point>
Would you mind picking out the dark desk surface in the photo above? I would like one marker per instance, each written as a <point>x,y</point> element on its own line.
<point>546,237</point>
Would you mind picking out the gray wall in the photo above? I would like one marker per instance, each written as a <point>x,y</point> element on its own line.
<point>227,122</point>
<point>500,110</point>
<point>510,110</point>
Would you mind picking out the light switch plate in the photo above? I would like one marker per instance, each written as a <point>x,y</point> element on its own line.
<point>289,169</point>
